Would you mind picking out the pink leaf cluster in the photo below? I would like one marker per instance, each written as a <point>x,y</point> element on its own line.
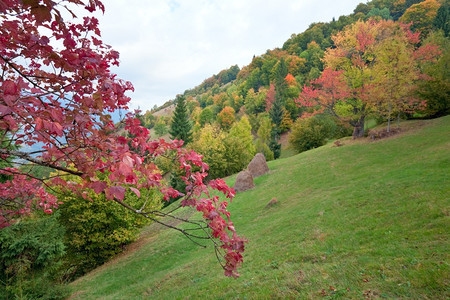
<point>20,196</point>
<point>57,91</point>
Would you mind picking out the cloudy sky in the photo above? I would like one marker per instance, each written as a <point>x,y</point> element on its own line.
<point>168,46</point>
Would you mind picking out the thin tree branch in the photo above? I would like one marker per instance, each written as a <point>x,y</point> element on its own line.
<point>29,158</point>
<point>183,231</point>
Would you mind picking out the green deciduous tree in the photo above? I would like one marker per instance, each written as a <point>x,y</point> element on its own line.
<point>161,127</point>
<point>436,89</point>
<point>209,140</point>
<point>206,116</point>
<point>225,153</point>
<point>255,102</point>
<point>399,7</point>
<point>264,137</point>
<point>421,15</point>
<point>313,56</point>
<point>240,149</point>
<point>383,13</point>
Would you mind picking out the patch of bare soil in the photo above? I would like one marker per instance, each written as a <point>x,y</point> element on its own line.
<point>284,139</point>
<point>381,133</point>
<point>168,111</point>
<point>396,130</point>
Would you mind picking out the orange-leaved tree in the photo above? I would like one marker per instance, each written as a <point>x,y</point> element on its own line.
<point>226,117</point>
<point>372,69</point>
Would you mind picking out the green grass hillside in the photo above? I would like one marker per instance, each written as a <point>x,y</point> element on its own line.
<point>369,219</point>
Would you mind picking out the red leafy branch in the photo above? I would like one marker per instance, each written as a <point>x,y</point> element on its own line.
<point>18,197</point>
<point>56,94</point>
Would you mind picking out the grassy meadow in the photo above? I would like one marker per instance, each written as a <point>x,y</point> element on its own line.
<point>368,220</point>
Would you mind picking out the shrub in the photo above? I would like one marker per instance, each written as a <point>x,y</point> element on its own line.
<point>98,229</point>
<point>265,150</point>
<point>311,133</point>
<point>264,138</point>
<point>30,253</point>
<point>161,127</point>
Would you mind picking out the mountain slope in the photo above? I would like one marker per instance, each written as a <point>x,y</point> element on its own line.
<point>368,219</point>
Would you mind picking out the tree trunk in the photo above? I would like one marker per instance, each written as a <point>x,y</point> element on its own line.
<point>389,118</point>
<point>358,128</point>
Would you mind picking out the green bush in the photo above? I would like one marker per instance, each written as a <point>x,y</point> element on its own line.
<point>98,229</point>
<point>263,148</point>
<point>311,133</point>
<point>225,152</point>
<point>239,145</point>
<point>264,137</point>
<point>161,128</point>
<point>30,253</point>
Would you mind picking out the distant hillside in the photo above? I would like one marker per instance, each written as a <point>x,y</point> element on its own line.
<point>366,220</point>
<point>297,46</point>
<point>285,85</point>
<point>167,111</point>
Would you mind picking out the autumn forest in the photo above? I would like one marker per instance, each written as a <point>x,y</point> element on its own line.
<point>77,188</point>
<point>387,61</point>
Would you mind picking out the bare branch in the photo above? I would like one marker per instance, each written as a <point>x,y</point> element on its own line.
<point>29,158</point>
<point>183,231</point>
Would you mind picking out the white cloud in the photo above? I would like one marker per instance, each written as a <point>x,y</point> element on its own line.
<point>168,46</point>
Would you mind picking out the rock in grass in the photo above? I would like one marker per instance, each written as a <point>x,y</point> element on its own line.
<point>272,202</point>
<point>244,181</point>
<point>258,165</point>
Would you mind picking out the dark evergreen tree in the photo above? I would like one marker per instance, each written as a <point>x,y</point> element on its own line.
<point>442,21</point>
<point>181,127</point>
<point>280,74</point>
<point>274,145</point>
<point>276,113</point>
